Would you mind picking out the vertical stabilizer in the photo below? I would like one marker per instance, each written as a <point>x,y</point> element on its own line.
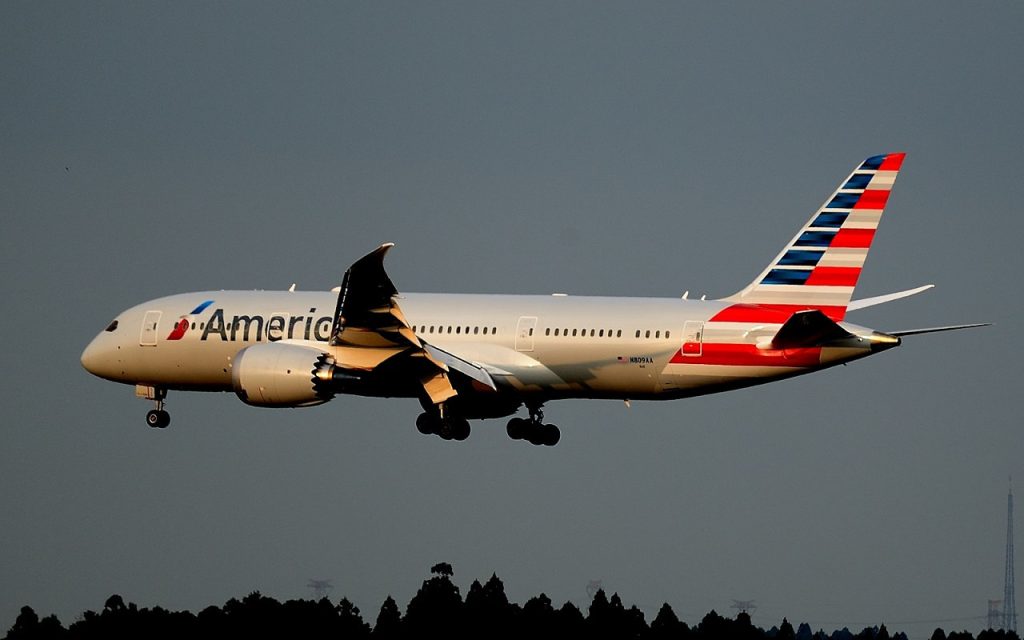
<point>820,266</point>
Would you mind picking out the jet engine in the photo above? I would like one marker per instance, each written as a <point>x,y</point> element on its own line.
<point>283,375</point>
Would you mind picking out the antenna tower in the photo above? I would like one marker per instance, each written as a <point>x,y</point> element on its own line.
<point>1009,606</point>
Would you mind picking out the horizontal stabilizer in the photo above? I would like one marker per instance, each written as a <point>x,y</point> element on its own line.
<point>870,302</point>
<point>914,332</point>
<point>810,328</point>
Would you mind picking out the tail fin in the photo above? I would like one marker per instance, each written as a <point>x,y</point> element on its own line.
<point>820,266</point>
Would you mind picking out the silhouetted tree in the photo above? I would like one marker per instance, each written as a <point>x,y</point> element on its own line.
<point>28,626</point>
<point>786,631</point>
<point>350,623</point>
<point>442,569</point>
<point>744,629</point>
<point>488,611</point>
<point>436,609</point>
<point>568,622</point>
<point>938,634</point>
<point>538,617</point>
<point>389,621</point>
<point>609,618</point>
<point>667,625</point>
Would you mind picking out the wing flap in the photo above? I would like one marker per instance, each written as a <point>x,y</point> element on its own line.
<point>469,369</point>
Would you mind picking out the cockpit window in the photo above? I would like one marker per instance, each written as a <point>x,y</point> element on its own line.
<point>112,326</point>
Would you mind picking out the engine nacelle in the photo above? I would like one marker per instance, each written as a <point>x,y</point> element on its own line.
<point>282,375</point>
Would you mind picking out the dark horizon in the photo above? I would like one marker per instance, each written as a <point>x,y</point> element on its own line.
<point>439,608</point>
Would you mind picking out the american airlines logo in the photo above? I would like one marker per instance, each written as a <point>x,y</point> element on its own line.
<point>256,327</point>
<point>273,328</point>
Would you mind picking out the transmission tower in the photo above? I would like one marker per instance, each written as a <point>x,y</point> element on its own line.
<point>744,606</point>
<point>320,588</point>
<point>1009,606</point>
<point>995,614</point>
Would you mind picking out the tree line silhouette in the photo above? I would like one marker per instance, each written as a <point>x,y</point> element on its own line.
<point>437,610</point>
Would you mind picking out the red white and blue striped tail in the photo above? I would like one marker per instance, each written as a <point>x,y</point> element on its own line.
<point>820,266</point>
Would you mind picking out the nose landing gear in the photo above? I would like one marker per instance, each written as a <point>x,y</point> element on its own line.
<point>157,418</point>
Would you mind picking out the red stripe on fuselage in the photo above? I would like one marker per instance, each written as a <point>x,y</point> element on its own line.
<point>772,313</point>
<point>748,355</point>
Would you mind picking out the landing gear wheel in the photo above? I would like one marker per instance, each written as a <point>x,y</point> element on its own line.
<point>550,435</point>
<point>446,425</point>
<point>516,428</point>
<point>535,434</point>
<point>158,418</point>
<point>425,424</point>
<point>460,429</point>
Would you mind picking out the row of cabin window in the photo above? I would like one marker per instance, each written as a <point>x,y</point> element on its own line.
<point>424,329</point>
<point>600,333</point>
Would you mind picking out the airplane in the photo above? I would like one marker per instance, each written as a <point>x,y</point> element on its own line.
<point>471,356</point>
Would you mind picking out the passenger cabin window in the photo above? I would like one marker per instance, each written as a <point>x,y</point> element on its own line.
<point>638,333</point>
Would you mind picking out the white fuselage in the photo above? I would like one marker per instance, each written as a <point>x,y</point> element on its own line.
<point>532,345</point>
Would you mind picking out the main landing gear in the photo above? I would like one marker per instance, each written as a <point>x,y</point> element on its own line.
<point>157,418</point>
<point>448,427</point>
<point>534,430</point>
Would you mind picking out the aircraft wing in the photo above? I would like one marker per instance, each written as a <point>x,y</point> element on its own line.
<point>370,330</point>
<point>367,314</point>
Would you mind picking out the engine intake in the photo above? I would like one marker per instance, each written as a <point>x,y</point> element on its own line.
<point>282,375</point>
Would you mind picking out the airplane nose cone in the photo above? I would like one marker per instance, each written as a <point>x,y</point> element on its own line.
<point>100,357</point>
<point>91,357</point>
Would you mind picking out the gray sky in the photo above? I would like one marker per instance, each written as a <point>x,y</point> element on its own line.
<point>594,148</point>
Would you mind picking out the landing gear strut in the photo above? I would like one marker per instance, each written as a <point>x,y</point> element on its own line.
<point>157,418</point>
<point>534,430</point>
<point>445,425</point>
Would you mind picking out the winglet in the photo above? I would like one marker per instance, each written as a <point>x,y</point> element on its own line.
<point>366,286</point>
